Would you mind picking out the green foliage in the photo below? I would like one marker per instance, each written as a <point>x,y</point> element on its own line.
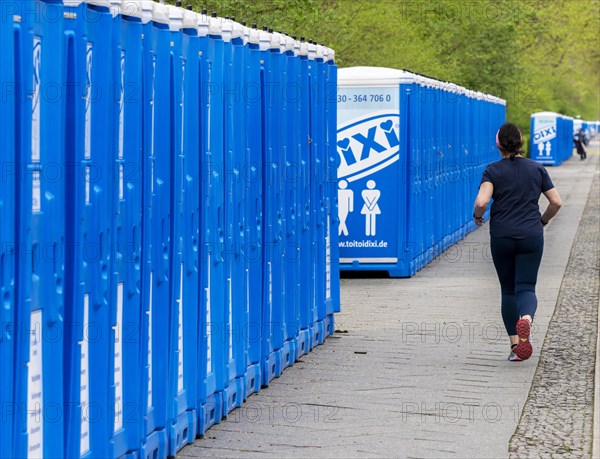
<point>537,54</point>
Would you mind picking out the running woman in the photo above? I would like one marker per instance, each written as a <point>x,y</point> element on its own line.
<point>516,231</point>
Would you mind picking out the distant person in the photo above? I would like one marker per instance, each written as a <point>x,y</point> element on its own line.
<point>516,231</point>
<point>578,140</point>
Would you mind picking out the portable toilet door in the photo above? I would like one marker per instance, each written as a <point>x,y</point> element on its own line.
<point>154,441</point>
<point>289,161</point>
<point>212,279</point>
<point>544,142</point>
<point>156,197</point>
<point>233,394</point>
<point>412,104</point>
<point>89,198</point>
<point>240,314</point>
<point>252,179</point>
<point>333,161</point>
<point>272,338</point>
<point>40,290</point>
<point>569,147</point>
<point>174,171</point>
<point>305,235</point>
<point>185,202</point>
<point>127,426</point>
<point>292,186</point>
<point>318,188</point>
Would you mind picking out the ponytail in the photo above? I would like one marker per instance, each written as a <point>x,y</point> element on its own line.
<point>509,140</point>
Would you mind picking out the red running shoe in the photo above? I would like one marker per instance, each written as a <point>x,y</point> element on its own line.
<point>524,348</point>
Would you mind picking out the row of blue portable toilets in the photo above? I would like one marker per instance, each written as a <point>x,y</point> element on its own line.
<point>589,129</point>
<point>412,151</point>
<point>552,136</point>
<point>551,140</point>
<point>167,196</point>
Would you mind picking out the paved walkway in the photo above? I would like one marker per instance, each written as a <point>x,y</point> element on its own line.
<point>558,416</point>
<point>418,367</point>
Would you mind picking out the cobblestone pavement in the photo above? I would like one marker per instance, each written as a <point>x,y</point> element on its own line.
<point>557,419</point>
<point>419,367</point>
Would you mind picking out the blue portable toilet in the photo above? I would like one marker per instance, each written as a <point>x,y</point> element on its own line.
<point>40,234</point>
<point>212,268</point>
<point>271,323</point>
<point>156,248</point>
<point>240,327</point>
<point>175,349</point>
<point>318,160</point>
<point>234,154</point>
<point>183,272</point>
<point>593,128</point>
<point>314,182</point>
<point>566,130</point>
<point>292,187</point>
<point>7,234</point>
<point>91,115</point>
<point>306,235</point>
<point>333,160</point>
<point>185,238</point>
<point>545,147</point>
<point>372,191</point>
<point>154,439</point>
<point>127,427</point>
<point>287,201</point>
<point>252,178</point>
<point>324,183</point>
<point>302,165</point>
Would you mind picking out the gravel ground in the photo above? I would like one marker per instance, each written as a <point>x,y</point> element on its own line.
<point>557,419</point>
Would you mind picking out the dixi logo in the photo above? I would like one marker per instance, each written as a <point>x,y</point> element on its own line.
<point>367,145</point>
<point>544,131</point>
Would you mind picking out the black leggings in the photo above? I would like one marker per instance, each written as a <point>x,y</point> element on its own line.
<point>517,262</point>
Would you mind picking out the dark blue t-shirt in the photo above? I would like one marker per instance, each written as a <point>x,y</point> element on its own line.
<point>517,185</point>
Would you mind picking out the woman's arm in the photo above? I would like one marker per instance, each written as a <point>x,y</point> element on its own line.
<point>554,204</point>
<point>486,189</point>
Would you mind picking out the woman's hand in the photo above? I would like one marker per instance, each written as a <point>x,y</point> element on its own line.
<point>486,189</point>
<point>554,204</point>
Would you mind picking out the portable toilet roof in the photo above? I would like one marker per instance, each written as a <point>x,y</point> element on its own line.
<point>374,76</point>
<point>557,115</point>
<point>382,76</point>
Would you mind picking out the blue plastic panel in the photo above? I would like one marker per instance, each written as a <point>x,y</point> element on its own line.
<point>212,342</point>
<point>40,155</point>
<point>237,286</point>
<point>156,233</point>
<point>252,248</point>
<point>8,241</point>
<point>185,193</point>
<point>305,252</point>
<point>88,293</point>
<point>128,162</point>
